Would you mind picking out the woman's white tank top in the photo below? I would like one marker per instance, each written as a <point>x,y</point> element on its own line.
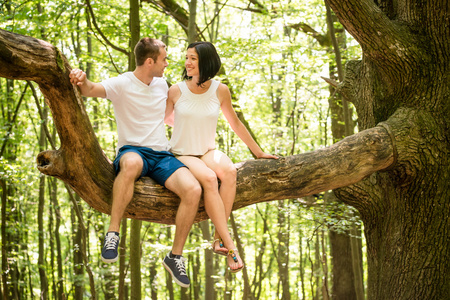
<point>195,121</point>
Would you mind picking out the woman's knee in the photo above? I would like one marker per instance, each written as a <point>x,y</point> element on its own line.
<point>228,174</point>
<point>209,181</point>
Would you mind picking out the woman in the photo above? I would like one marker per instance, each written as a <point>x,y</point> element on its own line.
<point>193,107</point>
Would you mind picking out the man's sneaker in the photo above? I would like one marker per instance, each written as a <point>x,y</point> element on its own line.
<point>110,246</point>
<point>174,264</point>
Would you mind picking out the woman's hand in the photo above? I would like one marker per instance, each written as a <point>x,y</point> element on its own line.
<point>265,155</point>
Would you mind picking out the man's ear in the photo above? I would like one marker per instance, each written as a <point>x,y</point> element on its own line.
<point>149,61</point>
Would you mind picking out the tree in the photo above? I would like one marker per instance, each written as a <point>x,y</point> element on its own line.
<point>402,82</point>
<point>402,152</point>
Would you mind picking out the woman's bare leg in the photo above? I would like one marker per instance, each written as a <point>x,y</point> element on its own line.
<point>225,170</point>
<point>213,202</point>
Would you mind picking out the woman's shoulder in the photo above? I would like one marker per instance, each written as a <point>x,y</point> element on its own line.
<point>223,89</point>
<point>174,91</point>
<point>174,86</point>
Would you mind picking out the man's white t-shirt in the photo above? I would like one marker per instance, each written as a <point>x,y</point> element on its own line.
<point>139,110</point>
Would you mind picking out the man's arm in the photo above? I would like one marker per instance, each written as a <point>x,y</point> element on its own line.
<point>173,96</point>
<point>87,87</point>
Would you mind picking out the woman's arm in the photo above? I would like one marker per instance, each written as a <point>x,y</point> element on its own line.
<point>224,96</point>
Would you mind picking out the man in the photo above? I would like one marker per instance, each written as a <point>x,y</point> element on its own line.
<point>139,101</point>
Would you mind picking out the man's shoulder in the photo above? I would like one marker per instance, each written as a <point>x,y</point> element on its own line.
<point>161,81</point>
<point>120,78</point>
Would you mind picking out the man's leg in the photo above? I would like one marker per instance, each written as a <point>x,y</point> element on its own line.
<point>130,169</point>
<point>184,184</point>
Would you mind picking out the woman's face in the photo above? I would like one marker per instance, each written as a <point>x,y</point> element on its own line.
<point>191,62</point>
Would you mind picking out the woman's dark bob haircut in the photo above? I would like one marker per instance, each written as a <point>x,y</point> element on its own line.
<point>208,61</point>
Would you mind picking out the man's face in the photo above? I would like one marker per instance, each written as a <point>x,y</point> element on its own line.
<point>160,64</point>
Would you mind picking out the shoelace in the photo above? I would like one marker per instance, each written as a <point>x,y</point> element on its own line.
<point>111,242</point>
<point>180,265</point>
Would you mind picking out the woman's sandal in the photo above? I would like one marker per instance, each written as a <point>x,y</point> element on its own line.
<point>220,252</point>
<point>232,254</point>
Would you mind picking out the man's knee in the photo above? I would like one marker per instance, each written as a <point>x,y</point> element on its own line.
<point>184,184</point>
<point>190,190</point>
<point>131,164</point>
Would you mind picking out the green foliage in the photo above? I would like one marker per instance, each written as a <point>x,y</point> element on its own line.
<point>274,73</point>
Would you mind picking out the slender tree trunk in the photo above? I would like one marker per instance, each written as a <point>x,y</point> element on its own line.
<point>192,26</point>
<point>135,228</point>
<point>153,273</point>
<point>60,295</point>
<point>42,264</point>
<point>50,225</point>
<point>234,226</point>
<point>262,270</point>
<point>123,288</point>
<point>357,261</point>
<point>10,239</point>
<point>169,282</point>
<point>283,250</point>
<point>317,267</point>
<point>302,266</point>
<point>135,259</point>
<point>82,247</point>
<point>209,262</point>
<point>325,289</point>
<point>153,265</point>
<point>77,258</point>
<point>3,231</point>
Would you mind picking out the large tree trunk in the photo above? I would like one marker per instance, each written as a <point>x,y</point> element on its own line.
<point>401,92</point>
<point>403,78</point>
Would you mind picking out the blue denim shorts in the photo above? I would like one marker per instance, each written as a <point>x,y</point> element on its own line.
<point>158,165</point>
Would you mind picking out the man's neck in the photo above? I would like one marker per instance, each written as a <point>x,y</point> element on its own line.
<point>143,76</point>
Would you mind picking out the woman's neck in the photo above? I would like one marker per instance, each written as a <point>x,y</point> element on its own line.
<point>195,88</point>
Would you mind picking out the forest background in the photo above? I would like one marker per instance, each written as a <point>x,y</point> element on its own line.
<point>274,54</point>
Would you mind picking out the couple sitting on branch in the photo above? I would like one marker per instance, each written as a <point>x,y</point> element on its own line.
<point>187,164</point>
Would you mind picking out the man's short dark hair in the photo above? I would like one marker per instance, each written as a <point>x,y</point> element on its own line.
<point>208,61</point>
<point>147,48</point>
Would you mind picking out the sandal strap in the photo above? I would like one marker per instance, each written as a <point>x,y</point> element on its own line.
<point>232,254</point>
<point>220,242</point>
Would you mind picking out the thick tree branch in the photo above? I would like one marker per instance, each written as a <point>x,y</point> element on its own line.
<point>322,39</point>
<point>380,38</point>
<point>178,13</point>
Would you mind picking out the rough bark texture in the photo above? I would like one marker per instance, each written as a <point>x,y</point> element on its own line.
<point>403,79</point>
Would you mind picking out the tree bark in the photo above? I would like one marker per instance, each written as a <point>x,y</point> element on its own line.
<point>42,264</point>
<point>209,262</point>
<point>60,280</point>
<point>135,228</point>
<point>403,80</point>
<point>135,259</point>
